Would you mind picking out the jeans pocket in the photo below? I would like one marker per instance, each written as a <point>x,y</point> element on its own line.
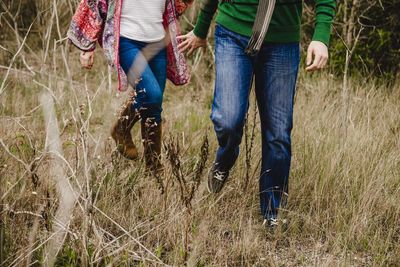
<point>223,37</point>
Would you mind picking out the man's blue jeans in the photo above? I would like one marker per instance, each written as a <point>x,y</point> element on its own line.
<point>275,69</point>
<point>149,80</point>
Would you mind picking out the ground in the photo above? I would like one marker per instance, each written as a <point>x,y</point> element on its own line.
<point>344,184</point>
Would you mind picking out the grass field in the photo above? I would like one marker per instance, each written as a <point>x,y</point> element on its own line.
<point>344,187</point>
<point>67,198</point>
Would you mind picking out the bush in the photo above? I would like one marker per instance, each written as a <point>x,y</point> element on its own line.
<point>377,52</point>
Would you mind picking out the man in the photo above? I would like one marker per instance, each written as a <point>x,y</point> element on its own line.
<point>275,68</point>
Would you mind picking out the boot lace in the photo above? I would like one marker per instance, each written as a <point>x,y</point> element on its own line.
<point>219,175</point>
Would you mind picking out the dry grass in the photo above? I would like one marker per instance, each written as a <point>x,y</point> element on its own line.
<point>344,186</point>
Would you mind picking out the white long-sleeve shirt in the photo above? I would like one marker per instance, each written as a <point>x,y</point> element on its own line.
<point>141,20</point>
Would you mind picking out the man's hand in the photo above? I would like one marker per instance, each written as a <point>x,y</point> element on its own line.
<point>191,42</point>
<point>87,59</point>
<point>319,52</point>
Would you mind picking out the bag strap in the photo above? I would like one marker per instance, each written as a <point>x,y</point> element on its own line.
<point>263,18</point>
<point>260,27</point>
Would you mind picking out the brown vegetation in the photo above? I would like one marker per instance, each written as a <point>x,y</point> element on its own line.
<point>344,187</point>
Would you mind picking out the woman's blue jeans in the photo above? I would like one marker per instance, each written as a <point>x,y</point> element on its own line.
<point>275,70</point>
<point>146,74</point>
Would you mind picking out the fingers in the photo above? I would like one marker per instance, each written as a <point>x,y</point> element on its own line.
<point>190,42</point>
<point>310,52</point>
<point>86,65</point>
<point>91,60</point>
<point>191,50</point>
<point>182,47</point>
<point>87,59</point>
<point>183,43</point>
<point>182,37</point>
<point>315,64</point>
<point>317,56</point>
<point>323,62</point>
<point>319,62</point>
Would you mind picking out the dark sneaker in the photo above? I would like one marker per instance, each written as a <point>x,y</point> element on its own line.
<point>216,179</point>
<point>273,223</point>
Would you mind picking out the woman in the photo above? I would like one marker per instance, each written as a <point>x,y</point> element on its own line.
<point>133,36</point>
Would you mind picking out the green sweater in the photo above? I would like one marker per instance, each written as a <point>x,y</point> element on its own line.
<point>239,17</point>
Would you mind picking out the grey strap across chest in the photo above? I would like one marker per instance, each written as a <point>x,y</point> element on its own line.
<point>260,27</point>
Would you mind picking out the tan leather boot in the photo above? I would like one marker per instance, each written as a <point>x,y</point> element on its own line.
<point>121,131</point>
<point>152,141</point>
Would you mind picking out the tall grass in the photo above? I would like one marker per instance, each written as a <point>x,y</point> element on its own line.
<point>344,186</point>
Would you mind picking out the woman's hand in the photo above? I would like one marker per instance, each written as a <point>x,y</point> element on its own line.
<point>87,59</point>
<point>191,42</point>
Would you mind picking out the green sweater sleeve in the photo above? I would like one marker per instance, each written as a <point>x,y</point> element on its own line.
<point>205,17</point>
<point>325,12</point>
